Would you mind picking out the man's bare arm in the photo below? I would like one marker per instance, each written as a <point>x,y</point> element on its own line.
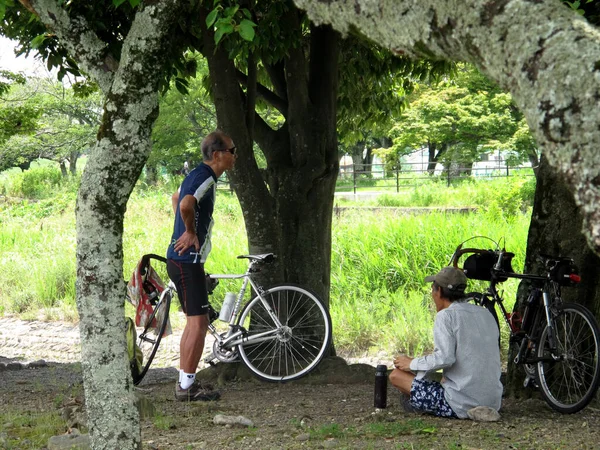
<point>175,201</point>
<point>188,238</point>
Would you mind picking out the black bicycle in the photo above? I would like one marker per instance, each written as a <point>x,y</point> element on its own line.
<point>558,342</point>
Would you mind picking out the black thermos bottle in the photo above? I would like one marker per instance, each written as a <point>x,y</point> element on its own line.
<point>381,386</point>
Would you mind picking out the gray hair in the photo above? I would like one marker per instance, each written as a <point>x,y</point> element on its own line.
<point>452,295</point>
<point>215,141</point>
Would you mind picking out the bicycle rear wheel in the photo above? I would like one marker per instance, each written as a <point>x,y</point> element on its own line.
<point>295,348</point>
<point>570,383</point>
<point>149,339</point>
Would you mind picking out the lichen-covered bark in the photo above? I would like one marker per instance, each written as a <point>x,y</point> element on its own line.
<point>81,42</point>
<point>122,148</point>
<point>544,54</point>
<point>555,230</point>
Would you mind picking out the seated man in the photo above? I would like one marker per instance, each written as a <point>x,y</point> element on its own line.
<point>466,348</point>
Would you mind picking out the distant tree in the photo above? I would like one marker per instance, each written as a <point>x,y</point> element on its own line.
<point>457,120</point>
<point>183,121</point>
<point>60,124</point>
<point>16,117</point>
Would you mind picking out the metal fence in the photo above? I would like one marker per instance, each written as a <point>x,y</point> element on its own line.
<point>379,177</point>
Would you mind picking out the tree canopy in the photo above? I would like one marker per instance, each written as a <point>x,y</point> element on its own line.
<point>459,119</point>
<point>44,119</point>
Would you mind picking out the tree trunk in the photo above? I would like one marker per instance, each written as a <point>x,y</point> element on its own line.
<point>534,161</point>
<point>122,148</point>
<point>73,163</point>
<point>357,157</point>
<point>291,213</point>
<point>151,174</point>
<point>63,168</point>
<point>431,159</point>
<point>555,230</point>
<point>466,168</point>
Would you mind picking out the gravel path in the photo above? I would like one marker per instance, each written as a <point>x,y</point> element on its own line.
<point>28,341</point>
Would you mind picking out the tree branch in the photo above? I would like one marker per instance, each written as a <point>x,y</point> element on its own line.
<point>76,34</point>
<point>323,68</point>
<point>266,94</point>
<point>251,87</point>
<point>277,76</point>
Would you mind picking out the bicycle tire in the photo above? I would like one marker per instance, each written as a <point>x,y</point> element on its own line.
<point>149,339</point>
<point>298,346</point>
<point>568,385</point>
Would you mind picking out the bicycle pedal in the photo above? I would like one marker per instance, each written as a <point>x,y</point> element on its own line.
<point>213,314</point>
<point>530,383</point>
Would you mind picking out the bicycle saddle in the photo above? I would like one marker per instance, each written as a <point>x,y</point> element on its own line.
<point>264,258</point>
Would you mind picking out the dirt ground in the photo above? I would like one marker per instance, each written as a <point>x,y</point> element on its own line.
<point>332,409</point>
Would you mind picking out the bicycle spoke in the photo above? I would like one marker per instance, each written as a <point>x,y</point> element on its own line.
<point>297,346</point>
<point>569,383</point>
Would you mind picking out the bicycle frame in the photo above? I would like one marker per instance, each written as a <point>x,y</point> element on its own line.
<point>280,335</point>
<point>541,283</point>
<point>236,335</point>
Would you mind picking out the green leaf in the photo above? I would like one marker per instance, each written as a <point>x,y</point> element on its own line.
<point>212,16</point>
<point>134,3</point>
<point>230,12</point>
<point>3,5</point>
<point>117,3</point>
<point>37,41</point>
<point>181,86</point>
<point>218,35</point>
<point>246,13</point>
<point>246,30</point>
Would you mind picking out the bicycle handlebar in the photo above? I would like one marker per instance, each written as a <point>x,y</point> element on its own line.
<point>146,260</point>
<point>461,251</point>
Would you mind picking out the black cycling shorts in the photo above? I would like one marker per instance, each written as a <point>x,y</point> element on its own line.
<point>191,286</point>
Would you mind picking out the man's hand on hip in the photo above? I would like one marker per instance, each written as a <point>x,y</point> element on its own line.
<point>185,241</point>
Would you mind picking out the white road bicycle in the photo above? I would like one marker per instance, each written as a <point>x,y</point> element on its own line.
<point>281,334</point>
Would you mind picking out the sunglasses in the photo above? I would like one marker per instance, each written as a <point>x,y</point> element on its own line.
<point>231,150</point>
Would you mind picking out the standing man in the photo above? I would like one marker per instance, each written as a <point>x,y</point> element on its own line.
<point>466,348</point>
<point>190,245</point>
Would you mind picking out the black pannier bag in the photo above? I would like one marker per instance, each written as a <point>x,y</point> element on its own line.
<point>478,266</point>
<point>562,271</point>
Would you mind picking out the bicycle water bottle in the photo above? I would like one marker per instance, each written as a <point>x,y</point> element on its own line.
<point>227,307</point>
<point>381,386</point>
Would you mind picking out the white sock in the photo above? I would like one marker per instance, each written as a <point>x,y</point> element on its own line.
<point>180,376</point>
<point>187,379</point>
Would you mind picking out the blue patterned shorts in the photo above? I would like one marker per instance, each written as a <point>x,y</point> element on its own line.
<point>428,396</point>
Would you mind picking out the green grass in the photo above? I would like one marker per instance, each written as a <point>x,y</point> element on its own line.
<point>379,259</point>
<point>28,430</point>
<point>372,430</point>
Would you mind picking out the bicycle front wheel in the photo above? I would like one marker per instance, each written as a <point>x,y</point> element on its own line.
<point>570,383</point>
<point>149,339</point>
<point>293,349</point>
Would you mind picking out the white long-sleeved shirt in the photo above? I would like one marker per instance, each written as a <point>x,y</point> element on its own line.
<point>466,348</point>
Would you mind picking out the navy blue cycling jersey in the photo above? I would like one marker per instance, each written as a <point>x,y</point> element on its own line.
<point>201,183</point>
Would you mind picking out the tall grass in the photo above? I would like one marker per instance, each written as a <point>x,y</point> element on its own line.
<point>379,260</point>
